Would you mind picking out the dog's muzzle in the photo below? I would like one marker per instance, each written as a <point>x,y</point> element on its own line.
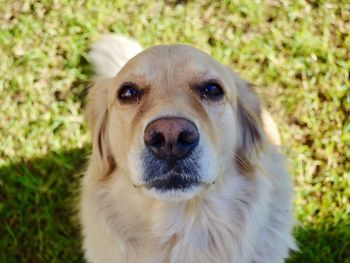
<point>171,156</point>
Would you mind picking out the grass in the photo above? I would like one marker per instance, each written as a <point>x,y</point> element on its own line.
<point>297,52</point>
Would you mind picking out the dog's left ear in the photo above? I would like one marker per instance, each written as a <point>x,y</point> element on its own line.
<point>249,116</point>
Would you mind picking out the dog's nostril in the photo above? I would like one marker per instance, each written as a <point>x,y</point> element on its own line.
<point>157,140</point>
<point>187,137</point>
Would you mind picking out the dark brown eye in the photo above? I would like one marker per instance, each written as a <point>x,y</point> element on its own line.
<point>211,91</point>
<point>128,92</point>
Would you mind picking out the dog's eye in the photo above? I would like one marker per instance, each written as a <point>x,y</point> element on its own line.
<point>128,92</point>
<point>211,91</point>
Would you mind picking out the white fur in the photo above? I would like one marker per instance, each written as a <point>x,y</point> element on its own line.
<point>239,219</point>
<point>110,54</point>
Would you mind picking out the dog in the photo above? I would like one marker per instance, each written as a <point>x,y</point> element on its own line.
<point>185,163</point>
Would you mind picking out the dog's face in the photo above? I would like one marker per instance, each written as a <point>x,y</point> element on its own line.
<point>174,121</point>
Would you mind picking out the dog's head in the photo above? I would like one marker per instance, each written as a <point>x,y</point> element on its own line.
<point>174,121</point>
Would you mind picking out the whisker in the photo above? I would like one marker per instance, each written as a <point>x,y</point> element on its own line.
<point>244,163</point>
<point>238,158</point>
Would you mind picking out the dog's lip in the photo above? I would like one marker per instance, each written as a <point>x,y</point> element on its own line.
<point>174,182</point>
<point>159,185</point>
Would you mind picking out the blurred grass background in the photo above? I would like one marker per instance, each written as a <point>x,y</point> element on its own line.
<point>297,52</point>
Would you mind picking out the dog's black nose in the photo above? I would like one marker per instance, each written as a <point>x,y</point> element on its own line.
<point>171,138</point>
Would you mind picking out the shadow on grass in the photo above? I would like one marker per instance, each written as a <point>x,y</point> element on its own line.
<point>38,208</point>
<point>39,224</point>
<point>323,243</point>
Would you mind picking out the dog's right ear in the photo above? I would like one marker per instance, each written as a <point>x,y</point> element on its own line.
<point>108,56</point>
<point>97,116</point>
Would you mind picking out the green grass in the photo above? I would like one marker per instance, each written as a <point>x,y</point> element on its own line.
<point>297,52</point>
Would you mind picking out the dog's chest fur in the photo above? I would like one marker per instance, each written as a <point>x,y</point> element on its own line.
<point>199,232</point>
<point>218,228</point>
<point>180,236</point>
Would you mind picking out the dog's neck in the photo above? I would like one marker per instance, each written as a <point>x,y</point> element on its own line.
<point>169,229</point>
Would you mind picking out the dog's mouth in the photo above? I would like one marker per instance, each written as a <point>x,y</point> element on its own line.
<point>172,181</point>
<point>162,176</point>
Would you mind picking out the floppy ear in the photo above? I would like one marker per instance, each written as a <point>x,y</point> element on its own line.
<point>251,130</point>
<point>97,116</point>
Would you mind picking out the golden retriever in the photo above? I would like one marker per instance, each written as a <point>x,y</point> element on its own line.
<point>184,166</point>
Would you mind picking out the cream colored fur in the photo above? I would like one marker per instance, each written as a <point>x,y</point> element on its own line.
<point>235,218</point>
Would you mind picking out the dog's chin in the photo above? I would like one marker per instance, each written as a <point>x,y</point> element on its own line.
<point>174,188</point>
<point>176,181</point>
